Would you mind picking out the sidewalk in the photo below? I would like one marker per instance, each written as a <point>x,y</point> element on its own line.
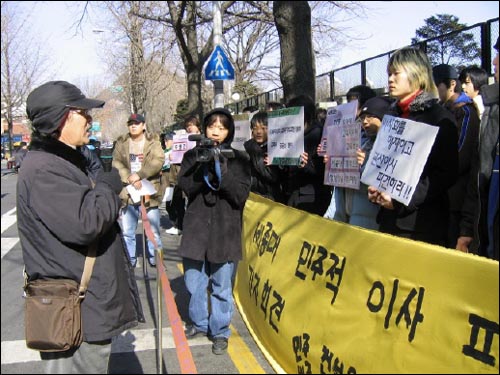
<point>134,352</point>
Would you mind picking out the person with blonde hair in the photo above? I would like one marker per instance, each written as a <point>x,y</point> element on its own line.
<point>425,218</point>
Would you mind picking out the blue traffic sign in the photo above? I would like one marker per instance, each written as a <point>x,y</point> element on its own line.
<point>219,67</point>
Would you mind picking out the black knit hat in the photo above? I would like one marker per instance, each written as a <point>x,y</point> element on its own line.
<point>377,107</point>
<point>443,72</point>
<point>46,105</point>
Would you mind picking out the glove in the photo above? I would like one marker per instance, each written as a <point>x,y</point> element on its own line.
<point>111,179</point>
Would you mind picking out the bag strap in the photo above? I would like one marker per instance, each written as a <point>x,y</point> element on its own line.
<point>87,270</point>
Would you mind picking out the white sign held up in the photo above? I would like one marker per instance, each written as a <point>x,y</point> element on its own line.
<point>340,141</point>
<point>285,141</point>
<point>242,132</point>
<point>398,157</point>
<point>180,145</point>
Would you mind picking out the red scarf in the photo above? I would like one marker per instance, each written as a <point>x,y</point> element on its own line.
<point>404,105</point>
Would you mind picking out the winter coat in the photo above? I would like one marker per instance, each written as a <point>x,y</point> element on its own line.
<point>19,156</point>
<point>213,219</point>
<point>265,178</point>
<point>467,118</point>
<point>475,208</point>
<point>303,187</point>
<point>154,157</point>
<point>59,216</point>
<point>426,216</point>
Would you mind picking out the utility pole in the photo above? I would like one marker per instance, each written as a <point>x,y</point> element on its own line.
<point>218,84</point>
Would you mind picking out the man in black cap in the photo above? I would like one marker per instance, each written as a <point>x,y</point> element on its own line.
<point>138,155</point>
<point>60,216</point>
<point>446,79</point>
<point>467,120</point>
<point>479,225</point>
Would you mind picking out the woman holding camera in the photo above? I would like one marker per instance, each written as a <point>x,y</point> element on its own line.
<point>216,180</point>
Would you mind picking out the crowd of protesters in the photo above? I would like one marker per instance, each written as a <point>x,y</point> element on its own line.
<point>66,200</point>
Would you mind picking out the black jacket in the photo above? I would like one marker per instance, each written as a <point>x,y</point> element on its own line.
<point>94,165</point>
<point>213,219</point>
<point>426,216</point>
<point>59,215</point>
<point>468,134</point>
<point>266,179</point>
<point>303,187</point>
<point>475,209</point>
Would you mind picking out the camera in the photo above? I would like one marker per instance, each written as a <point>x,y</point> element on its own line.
<point>208,149</point>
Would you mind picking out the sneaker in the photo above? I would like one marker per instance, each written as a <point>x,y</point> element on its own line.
<point>152,261</point>
<point>219,346</point>
<point>173,231</point>
<point>191,332</point>
<point>133,262</point>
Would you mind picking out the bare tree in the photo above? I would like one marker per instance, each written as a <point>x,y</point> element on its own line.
<point>251,41</point>
<point>248,33</point>
<point>297,55</point>
<point>23,65</point>
<point>139,52</point>
<point>190,23</point>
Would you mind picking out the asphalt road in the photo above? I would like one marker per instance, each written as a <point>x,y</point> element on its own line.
<point>134,351</point>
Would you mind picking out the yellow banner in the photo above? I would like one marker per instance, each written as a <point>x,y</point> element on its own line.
<point>325,297</point>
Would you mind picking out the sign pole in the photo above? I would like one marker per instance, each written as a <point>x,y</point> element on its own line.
<point>218,84</point>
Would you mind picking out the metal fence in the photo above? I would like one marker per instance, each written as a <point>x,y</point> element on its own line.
<point>333,86</point>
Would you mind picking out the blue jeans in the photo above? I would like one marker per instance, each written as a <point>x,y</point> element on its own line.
<point>197,275</point>
<point>128,221</point>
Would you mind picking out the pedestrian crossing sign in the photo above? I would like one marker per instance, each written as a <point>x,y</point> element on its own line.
<point>219,67</point>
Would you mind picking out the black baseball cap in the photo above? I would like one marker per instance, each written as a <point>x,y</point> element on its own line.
<point>136,118</point>
<point>47,104</point>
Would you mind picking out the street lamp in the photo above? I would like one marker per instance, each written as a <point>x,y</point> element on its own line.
<point>236,96</point>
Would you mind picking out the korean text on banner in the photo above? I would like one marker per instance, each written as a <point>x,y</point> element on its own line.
<point>321,296</point>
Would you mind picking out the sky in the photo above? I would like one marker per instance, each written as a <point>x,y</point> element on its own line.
<point>388,25</point>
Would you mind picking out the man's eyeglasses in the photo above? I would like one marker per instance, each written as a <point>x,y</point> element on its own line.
<point>83,112</point>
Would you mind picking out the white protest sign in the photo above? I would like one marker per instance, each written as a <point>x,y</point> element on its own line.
<point>342,139</point>
<point>398,157</point>
<point>242,132</point>
<point>334,116</point>
<point>285,130</point>
<point>180,145</point>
